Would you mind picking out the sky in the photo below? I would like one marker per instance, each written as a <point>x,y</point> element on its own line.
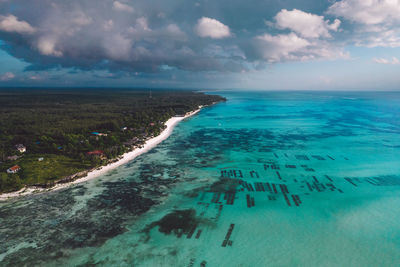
<point>204,44</point>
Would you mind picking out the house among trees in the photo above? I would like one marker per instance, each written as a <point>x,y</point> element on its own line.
<point>14,169</point>
<point>99,134</point>
<point>21,148</point>
<point>15,157</point>
<point>97,153</point>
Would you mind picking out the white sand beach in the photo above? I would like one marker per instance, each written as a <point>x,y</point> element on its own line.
<point>125,158</point>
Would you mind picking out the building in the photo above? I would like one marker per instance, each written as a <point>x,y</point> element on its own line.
<point>99,134</point>
<point>14,169</point>
<point>15,157</point>
<point>97,153</point>
<point>21,148</point>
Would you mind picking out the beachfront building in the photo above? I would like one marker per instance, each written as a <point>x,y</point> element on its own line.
<point>14,169</point>
<point>21,148</point>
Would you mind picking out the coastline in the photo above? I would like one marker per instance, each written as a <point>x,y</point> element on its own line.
<point>125,158</point>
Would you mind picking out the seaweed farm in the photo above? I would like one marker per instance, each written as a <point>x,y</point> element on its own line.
<point>265,179</point>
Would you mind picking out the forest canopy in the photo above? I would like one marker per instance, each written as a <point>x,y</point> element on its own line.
<point>64,127</point>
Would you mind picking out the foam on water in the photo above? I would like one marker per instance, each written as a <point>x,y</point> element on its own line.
<point>266,179</point>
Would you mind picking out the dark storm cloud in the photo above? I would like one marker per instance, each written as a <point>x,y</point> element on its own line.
<point>157,35</point>
<point>115,35</point>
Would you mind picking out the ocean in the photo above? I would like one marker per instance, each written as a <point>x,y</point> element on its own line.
<point>264,179</point>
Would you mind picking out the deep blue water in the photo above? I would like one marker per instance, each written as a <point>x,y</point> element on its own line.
<point>265,179</point>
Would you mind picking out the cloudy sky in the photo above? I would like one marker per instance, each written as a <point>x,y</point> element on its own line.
<point>253,44</point>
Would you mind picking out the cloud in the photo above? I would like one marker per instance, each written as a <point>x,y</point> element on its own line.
<point>122,7</point>
<point>7,76</point>
<point>393,61</point>
<point>70,35</point>
<point>208,27</point>
<point>35,77</point>
<point>174,31</point>
<point>79,18</point>
<point>162,36</point>
<point>370,12</point>
<point>108,24</point>
<point>280,47</point>
<point>47,47</point>
<point>306,24</point>
<point>143,24</point>
<point>291,47</point>
<point>384,38</point>
<point>11,23</point>
<point>307,39</point>
<point>376,22</point>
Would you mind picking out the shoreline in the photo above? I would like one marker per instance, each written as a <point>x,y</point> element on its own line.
<point>123,159</point>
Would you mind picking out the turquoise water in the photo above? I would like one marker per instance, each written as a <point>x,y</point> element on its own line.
<point>265,179</point>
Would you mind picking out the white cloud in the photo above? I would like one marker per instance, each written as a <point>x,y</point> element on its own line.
<point>35,77</point>
<point>140,29</point>
<point>208,27</point>
<point>118,47</point>
<point>47,47</point>
<point>385,38</point>
<point>370,12</point>
<point>81,19</point>
<point>306,41</point>
<point>11,23</point>
<point>291,47</point>
<point>276,48</point>
<point>174,31</point>
<point>122,7</point>
<point>393,61</point>
<point>7,76</point>
<point>377,22</point>
<point>108,24</point>
<point>306,24</point>
<point>143,24</point>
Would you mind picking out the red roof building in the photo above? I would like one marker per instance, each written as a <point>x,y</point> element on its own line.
<point>98,154</point>
<point>14,169</point>
<point>95,153</point>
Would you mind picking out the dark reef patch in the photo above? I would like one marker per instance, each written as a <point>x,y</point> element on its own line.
<point>176,222</point>
<point>46,221</point>
<point>224,185</point>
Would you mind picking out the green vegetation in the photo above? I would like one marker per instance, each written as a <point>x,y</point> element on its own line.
<point>35,172</point>
<point>58,125</point>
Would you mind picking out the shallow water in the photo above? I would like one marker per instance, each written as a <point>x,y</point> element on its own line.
<point>265,179</point>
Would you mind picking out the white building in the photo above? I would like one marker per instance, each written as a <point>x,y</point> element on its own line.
<point>21,148</point>
<point>14,169</point>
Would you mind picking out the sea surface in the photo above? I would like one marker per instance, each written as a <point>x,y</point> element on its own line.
<point>265,179</point>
